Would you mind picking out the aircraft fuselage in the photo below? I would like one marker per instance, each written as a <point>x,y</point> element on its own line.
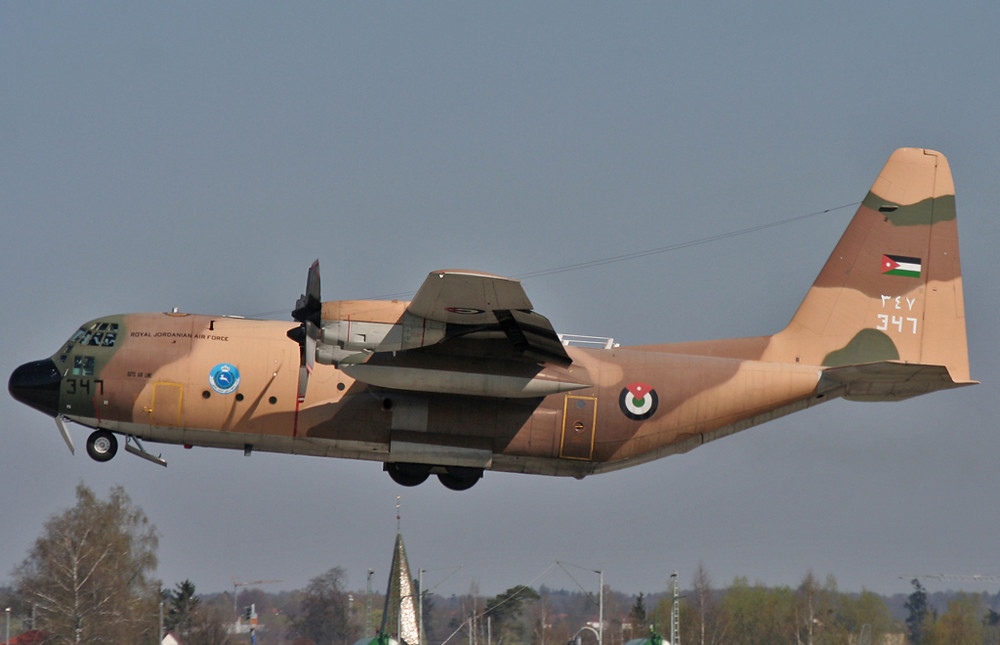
<point>231,383</point>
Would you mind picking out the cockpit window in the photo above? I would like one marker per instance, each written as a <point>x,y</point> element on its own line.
<point>83,365</point>
<point>97,334</point>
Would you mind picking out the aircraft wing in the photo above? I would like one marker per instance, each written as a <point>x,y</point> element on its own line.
<point>473,334</point>
<point>467,297</point>
<point>484,305</point>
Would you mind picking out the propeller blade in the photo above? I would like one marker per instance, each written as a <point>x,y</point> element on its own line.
<point>303,382</point>
<point>312,281</point>
<point>312,335</point>
<point>308,311</point>
<point>309,307</point>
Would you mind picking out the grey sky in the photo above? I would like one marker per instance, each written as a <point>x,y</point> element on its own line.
<point>201,156</point>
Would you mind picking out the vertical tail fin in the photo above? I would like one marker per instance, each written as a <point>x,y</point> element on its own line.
<point>892,289</point>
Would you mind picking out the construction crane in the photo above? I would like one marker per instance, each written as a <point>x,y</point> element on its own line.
<point>237,584</point>
<point>953,577</point>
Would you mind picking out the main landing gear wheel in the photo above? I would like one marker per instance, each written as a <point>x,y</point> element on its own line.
<point>408,474</point>
<point>460,478</point>
<point>102,445</point>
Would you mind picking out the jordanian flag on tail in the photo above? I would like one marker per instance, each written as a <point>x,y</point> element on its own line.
<point>900,265</point>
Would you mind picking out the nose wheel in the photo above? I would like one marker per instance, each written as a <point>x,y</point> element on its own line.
<point>102,445</point>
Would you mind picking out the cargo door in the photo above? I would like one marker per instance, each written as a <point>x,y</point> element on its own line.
<point>165,405</point>
<point>579,421</point>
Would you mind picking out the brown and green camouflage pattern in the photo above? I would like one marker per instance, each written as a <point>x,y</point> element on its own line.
<point>860,333</point>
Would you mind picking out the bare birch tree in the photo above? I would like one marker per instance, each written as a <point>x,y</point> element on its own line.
<point>90,572</point>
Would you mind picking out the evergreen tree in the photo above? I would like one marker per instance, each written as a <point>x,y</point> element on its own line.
<point>183,607</point>
<point>637,616</point>
<point>918,612</point>
<point>505,609</point>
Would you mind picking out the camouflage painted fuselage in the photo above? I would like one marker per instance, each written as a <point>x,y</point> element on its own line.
<point>459,380</point>
<point>156,383</point>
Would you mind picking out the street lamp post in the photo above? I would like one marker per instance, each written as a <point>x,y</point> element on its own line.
<point>675,612</point>
<point>7,611</point>
<point>420,607</point>
<point>600,610</point>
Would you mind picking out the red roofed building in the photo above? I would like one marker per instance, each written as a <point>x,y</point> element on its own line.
<point>33,637</point>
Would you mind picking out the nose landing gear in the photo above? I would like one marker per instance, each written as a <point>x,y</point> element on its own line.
<point>102,445</point>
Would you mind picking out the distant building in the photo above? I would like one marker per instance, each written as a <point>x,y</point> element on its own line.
<point>33,637</point>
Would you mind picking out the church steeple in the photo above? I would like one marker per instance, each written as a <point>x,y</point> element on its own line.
<point>400,614</point>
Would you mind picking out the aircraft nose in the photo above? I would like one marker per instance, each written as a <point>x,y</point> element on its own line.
<point>37,384</point>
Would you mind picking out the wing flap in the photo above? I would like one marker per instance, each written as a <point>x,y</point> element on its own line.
<point>532,336</point>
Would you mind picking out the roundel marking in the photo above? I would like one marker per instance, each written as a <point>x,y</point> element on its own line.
<point>638,401</point>
<point>224,378</point>
<point>465,311</point>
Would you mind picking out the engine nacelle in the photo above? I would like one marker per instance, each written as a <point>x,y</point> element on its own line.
<point>352,330</point>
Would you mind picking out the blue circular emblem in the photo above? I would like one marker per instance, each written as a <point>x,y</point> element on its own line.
<point>224,378</point>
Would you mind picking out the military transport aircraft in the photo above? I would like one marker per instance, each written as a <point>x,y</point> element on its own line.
<point>467,377</point>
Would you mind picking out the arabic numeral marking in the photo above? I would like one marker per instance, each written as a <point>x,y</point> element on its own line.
<point>896,302</point>
<point>896,323</point>
<point>84,385</point>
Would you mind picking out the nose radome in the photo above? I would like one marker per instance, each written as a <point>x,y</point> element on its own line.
<point>37,384</point>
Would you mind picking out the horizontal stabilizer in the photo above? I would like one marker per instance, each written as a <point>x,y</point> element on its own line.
<point>886,381</point>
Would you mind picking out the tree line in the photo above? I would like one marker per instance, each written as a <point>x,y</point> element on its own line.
<point>90,578</point>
